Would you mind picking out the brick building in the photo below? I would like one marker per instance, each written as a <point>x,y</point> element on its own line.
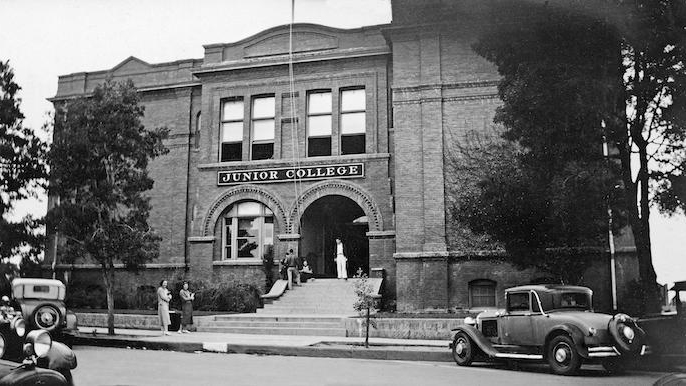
<point>352,145</point>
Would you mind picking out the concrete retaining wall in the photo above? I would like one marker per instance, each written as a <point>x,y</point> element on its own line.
<point>135,321</point>
<point>400,328</point>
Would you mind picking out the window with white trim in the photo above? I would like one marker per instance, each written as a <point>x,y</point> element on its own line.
<point>231,148</point>
<point>262,128</point>
<point>248,231</point>
<point>353,121</point>
<point>319,123</point>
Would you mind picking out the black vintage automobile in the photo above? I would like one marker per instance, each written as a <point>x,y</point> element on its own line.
<point>552,323</point>
<point>12,331</point>
<point>56,369</point>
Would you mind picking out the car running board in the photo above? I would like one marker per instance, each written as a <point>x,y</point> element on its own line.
<point>519,356</point>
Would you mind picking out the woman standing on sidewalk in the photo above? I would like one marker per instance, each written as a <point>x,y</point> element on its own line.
<point>187,298</point>
<point>163,298</point>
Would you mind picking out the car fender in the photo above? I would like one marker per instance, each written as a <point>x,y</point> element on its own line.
<point>571,330</point>
<point>33,376</point>
<point>478,338</point>
<point>72,321</point>
<point>60,358</point>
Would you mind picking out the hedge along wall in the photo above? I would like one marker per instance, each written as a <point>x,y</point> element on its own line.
<point>86,290</point>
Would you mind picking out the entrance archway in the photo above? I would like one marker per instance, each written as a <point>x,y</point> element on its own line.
<point>328,218</point>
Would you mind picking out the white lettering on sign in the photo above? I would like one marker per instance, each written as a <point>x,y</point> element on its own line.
<point>320,172</point>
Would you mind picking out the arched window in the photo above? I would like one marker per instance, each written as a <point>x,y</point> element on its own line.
<point>481,293</point>
<point>247,231</point>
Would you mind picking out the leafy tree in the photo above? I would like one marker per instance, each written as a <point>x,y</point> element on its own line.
<point>646,118</point>
<point>542,192</point>
<point>98,164</point>
<point>365,302</point>
<point>22,172</point>
<point>570,78</point>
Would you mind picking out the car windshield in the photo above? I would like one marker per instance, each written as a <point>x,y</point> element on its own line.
<point>576,300</point>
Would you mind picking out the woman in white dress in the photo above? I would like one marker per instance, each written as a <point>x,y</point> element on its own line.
<point>163,299</point>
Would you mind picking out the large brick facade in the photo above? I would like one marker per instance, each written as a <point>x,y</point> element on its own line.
<point>424,88</point>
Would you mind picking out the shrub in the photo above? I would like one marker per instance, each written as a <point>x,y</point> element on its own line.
<point>235,297</point>
<point>89,296</point>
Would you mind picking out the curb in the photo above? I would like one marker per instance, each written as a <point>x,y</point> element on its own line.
<point>124,342</point>
<point>341,351</point>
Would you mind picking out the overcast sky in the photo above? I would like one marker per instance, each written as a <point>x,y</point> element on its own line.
<point>46,38</point>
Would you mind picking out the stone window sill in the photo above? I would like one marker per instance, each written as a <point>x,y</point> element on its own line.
<point>237,262</point>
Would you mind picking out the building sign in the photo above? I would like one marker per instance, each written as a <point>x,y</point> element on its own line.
<point>318,172</point>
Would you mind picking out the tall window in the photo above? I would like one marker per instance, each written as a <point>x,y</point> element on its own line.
<point>232,131</point>
<point>198,125</point>
<point>248,231</point>
<point>262,135</point>
<point>319,123</point>
<point>481,293</point>
<point>353,125</point>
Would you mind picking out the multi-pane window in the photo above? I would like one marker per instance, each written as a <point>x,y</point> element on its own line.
<point>353,122</point>
<point>248,231</point>
<point>262,133</point>
<point>319,123</point>
<point>482,293</point>
<point>232,131</point>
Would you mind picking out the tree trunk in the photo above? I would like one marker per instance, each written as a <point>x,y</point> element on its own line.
<point>366,337</point>
<point>645,267</point>
<point>108,278</point>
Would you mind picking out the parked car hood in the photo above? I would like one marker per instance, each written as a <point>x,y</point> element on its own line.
<point>581,318</point>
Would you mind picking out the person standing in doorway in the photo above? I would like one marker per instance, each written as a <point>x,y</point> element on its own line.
<point>187,298</point>
<point>163,299</point>
<point>293,273</point>
<point>341,261</point>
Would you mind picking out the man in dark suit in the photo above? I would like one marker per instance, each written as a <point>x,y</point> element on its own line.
<point>292,264</point>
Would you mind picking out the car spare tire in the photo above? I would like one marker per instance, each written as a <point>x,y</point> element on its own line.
<point>627,335</point>
<point>46,317</point>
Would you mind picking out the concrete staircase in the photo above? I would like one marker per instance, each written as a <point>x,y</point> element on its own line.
<point>317,308</point>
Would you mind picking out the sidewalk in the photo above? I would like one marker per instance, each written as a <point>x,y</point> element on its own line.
<point>312,346</point>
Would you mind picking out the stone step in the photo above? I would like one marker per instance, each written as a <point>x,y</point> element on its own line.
<point>311,324</point>
<point>270,318</point>
<point>300,301</point>
<point>276,318</point>
<point>276,330</point>
<point>264,311</point>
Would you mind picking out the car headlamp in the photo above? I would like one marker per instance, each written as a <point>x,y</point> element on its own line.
<point>38,342</point>
<point>19,326</point>
<point>628,333</point>
<point>470,321</point>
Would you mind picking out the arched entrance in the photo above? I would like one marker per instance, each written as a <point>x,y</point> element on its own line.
<point>327,218</point>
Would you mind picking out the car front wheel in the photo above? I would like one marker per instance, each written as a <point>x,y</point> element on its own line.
<point>463,349</point>
<point>562,356</point>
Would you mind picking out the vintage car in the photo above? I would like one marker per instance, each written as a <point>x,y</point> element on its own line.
<point>553,323</point>
<point>12,331</point>
<point>41,302</point>
<point>55,369</point>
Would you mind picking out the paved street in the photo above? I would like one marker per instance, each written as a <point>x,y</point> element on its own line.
<point>110,366</point>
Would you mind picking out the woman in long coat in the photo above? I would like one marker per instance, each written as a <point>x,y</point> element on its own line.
<point>187,298</point>
<point>163,298</point>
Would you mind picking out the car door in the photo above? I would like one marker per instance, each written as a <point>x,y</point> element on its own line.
<point>517,322</point>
